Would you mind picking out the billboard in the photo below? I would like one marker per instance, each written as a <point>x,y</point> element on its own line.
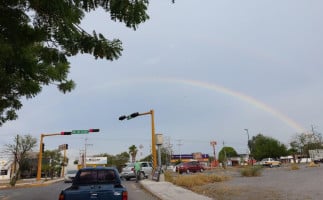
<point>96,160</point>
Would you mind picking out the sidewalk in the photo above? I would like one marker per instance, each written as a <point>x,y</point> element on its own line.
<point>167,191</point>
<point>28,182</point>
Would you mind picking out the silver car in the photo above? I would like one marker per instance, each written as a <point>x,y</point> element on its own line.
<point>69,176</point>
<point>128,171</point>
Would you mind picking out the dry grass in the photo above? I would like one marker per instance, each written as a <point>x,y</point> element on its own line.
<point>312,164</point>
<point>294,166</point>
<point>190,181</point>
<point>251,171</point>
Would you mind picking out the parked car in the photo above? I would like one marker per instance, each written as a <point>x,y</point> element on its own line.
<point>69,176</point>
<point>128,171</point>
<point>270,162</point>
<point>95,183</point>
<point>188,167</point>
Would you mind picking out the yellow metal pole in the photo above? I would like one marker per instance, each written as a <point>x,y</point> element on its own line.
<point>153,140</point>
<point>63,170</point>
<point>40,155</point>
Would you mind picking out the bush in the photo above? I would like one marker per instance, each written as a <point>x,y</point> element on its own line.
<point>294,167</point>
<point>190,181</point>
<point>251,171</point>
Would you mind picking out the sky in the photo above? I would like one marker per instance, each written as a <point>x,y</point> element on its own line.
<point>209,69</point>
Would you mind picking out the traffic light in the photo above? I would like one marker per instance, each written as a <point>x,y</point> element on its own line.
<point>122,117</point>
<point>94,130</point>
<point>133,115</point>
<point>66,133</point>
<point>42,147</point>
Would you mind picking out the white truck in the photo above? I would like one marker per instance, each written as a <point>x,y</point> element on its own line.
<point>316,155</point>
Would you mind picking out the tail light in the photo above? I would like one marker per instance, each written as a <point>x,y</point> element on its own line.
<point>125,195</point>
<point>61,197</point>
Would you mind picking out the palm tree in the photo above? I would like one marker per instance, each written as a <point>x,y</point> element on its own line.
<point>133,152</point>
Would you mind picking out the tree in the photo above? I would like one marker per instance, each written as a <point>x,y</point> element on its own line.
<point>53,162</point>
<point>19,149</point>
<point>133,152</point>
<point>37,37</point>
<point>226,152</point>
<point>303,142</point>
<point>264,147</point>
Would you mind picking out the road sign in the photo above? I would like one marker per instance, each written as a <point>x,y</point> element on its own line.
<point>80,131</point>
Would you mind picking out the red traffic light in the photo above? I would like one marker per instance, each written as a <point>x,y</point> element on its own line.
<point>133,115</point>
<point>94,130</point>
<point>66,133</point>
<point>122,117</point>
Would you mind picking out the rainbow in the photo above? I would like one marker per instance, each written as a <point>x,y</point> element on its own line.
<point>243,97</point>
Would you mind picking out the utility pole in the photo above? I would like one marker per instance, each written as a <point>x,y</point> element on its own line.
<point>213,143</point>
<point>225,156</point>
<point>179,144</point>
<point>85,145</point>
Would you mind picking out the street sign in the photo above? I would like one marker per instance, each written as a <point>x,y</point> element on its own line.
<point>80,131</point>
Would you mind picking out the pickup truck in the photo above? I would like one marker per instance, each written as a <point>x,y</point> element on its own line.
<point>95,183</point>
<point>270,162</point>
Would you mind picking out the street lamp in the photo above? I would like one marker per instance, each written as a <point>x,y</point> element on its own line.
<point>248,143</point>
<point>153,142</point>
<point>247,131</point>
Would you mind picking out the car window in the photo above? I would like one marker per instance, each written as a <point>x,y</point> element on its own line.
<point>87,177</point>
<point>71,171</point>
<point>144,165</point>
<point>131,165</point>
<point>96,176</point>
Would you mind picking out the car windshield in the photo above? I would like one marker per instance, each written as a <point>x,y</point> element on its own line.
<point>96,176</point>
<point>71,171</point>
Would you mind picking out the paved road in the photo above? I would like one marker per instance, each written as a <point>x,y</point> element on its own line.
<point>51,192</point>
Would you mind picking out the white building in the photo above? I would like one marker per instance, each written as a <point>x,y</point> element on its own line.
<point>5,169</point>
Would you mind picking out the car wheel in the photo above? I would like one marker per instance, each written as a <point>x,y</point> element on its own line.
<point>127,179</point>
<point>187,171</point>
<point>201,170</point>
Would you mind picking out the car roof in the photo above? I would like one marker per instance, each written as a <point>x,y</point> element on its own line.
<point>97,168</point>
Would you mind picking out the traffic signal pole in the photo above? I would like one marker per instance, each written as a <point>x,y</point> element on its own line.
<point>153,140</point>
<point>40,155</point>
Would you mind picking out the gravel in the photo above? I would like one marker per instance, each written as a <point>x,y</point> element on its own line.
<point>274,183</point>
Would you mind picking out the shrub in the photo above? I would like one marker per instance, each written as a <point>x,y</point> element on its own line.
<point>294,167</point>
<point>251,171</point>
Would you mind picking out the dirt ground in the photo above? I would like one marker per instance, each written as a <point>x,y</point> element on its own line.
<point>280,183</point>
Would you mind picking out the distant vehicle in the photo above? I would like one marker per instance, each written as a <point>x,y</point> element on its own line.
<point>270,162</point>
<point>69,176</point>
<point>316,155</point>
<point>128,171</point>
<point>188,167</point>
<point>95,183</point>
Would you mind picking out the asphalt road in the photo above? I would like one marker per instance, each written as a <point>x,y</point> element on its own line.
<point>51,192</point>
